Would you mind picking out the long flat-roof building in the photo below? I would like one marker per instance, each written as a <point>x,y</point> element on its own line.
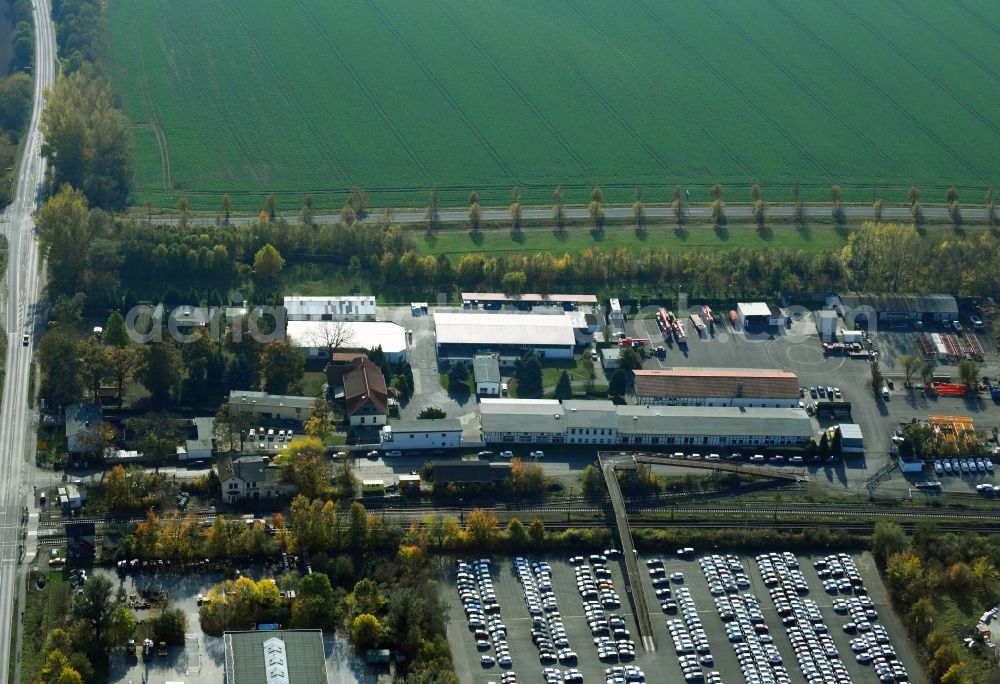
<point>717,387</point>
<point>271,406</point>
<point>722,426</point>
<point>347,308</point>
<point>460,335</point>
<point>433,433</point>
<point>497,299</point>
<point>315,336</point>
<point>858,309</point>
<point>547,421</point>
<point>522,420</point>
<point>289,656</point>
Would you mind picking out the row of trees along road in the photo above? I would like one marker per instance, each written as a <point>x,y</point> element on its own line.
<point>16,89</point>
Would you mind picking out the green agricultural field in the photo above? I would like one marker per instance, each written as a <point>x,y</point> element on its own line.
<point>255,96</point>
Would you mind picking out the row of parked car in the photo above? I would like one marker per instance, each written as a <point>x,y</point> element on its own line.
<point>548,632</point>
<point>963,466</point>
<point>741,613</point>
<point>872,645</point>
<point>611,636</point>
<point>691,641</point>
<point>482,610</point>
<point>815,650</point>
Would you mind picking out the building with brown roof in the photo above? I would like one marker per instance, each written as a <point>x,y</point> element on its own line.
<point>340,364</point>
<point>366,398</point>
<point>717,387</point>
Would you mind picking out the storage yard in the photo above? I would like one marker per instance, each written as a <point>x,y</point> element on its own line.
<point>794,617</point>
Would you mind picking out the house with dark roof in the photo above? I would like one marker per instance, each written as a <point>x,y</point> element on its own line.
<point>80,418</point>
<point>717,387</point>
<point>251,477</point>
<point>366,398</point>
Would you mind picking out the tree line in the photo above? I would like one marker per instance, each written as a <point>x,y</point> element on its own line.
<point>88,140</point>
<point>16,89</point>
<point>120,261</point>
<point>941,583</point>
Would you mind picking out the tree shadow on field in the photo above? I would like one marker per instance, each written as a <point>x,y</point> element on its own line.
<point>431,239</point>
<point>597,234</point>
<point>518,236</point>
<point>804,229</point>
<point>765,232</point>
<point>641,233</point>
<point>560,234</point>
<point>681,233</point>
<point>477,237</point>
<point>722,232</point>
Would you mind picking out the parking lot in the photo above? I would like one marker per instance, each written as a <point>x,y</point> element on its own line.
<point>703,625</point>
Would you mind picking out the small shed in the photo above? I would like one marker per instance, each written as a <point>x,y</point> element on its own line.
<point>611,358</point>
<point>486,368</point>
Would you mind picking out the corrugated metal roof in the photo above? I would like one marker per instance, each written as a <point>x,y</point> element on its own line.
<point>714,420</point>
<point>263,399</point>
<point>504,329</point>
<point>501,297</point>
<point>486,368</point>
<point>716,382</point>
<point>901,303</point>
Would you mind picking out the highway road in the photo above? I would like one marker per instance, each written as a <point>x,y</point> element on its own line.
<point>734,212</point>
<point>23,289</point>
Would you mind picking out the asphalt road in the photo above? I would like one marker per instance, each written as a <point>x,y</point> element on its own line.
<point>16,417</point>
<point>742,212</point>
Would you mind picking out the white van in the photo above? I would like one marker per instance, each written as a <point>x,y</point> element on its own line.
<point>885,393</point>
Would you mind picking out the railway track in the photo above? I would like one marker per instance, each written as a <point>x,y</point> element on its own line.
<point>737,513</point>
<point>57,539</point>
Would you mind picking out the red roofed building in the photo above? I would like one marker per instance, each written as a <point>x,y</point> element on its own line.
<point>717,387</point>
<point>366,399</point>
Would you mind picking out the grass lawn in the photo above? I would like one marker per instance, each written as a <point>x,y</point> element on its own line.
<point>670,238</point>
<point>312,383</point>
<point>314,96</point>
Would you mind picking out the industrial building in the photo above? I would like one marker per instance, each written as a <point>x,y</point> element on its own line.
<point>266,406</point>
<point>590,422</point>
<point>461,336</point>
<point>495,300</point>
<point>827,324</point>
<point>524,421</point>
<point>852,441</point>
<point>753,314</point>
<point>437,433</point>
<point>275,656</point>
<point>349,308</point>
<point>461,473</point>
<point>858,309</point>
<point>717,387</point>
<point>543,421</point>
<point>315,337</point>
<point>486,370</point>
